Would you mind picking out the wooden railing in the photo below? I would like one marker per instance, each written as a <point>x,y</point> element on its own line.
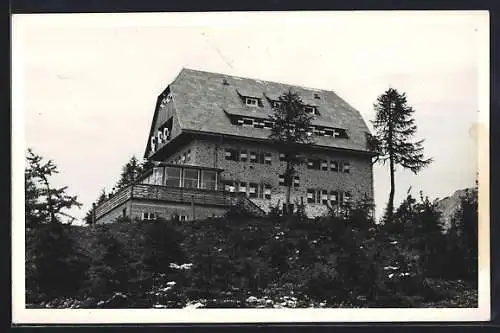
<point>176,194</point>
<point>179,194</point>
<point>116,200</point>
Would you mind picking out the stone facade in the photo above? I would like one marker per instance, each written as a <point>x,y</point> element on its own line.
<point>210,120</point>
<point>357,182</point>
<point>135,210</point>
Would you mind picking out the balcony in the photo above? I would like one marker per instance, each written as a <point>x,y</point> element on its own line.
<point>181,184</point>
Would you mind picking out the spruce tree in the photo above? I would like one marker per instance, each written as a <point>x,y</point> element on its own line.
<point>45,203</point>
<point>130,172</point>
<point>88,219</point>
<point>394,130</point>
<point>290,134</point>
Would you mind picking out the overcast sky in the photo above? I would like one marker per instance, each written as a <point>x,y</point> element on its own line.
<point>88,82</point>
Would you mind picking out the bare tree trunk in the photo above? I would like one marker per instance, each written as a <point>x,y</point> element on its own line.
<point>49,200</point>
<point>390,204</point>
<point>288,180</point>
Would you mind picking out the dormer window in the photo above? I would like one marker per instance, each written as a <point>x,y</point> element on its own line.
<point>268,124</point>
<point>250,101</point>
<point>316,96</point>
<point>276,104</point>
<point>311,110</point>
<point>247,122</point>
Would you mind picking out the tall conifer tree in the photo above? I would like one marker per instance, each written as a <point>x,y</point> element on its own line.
<point>394,130</point>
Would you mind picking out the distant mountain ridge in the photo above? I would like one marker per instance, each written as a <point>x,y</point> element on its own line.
<point>449,205</point>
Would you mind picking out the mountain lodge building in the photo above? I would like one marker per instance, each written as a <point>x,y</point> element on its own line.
<point>209,148</point>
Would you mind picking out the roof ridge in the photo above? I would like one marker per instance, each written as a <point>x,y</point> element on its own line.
<point>261,80</point>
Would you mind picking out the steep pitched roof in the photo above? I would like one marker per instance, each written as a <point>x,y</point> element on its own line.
<point>204,100</point>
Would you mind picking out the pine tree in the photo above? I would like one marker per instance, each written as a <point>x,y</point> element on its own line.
<point>130,172</point>
<point>290,133</point>
<point>56,267</point>
<point>109,273</point>
<point>395,126</point>
<point>45,204</point>
<point>88,219</point>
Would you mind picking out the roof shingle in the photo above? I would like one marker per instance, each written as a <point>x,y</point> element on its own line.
<point>202,100</point>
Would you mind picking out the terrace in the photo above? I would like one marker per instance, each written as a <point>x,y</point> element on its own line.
<point>172,183</point>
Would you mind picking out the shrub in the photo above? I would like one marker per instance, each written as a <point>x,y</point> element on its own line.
<point>56,267</point>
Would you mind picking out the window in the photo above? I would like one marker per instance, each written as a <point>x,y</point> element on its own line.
<point>253,190</point>
<point>124,212</point>
<point>251,101</point>
<point>253,156</point>
<point>267,191</point>
<point>247,122</point>
<point>296,181</point>
<point>183,218</point>
<point>178,160</point>
<point>268,124</point>
<point>229,186</point>
<point>311,196</point>
<point>242,187</point>
<point>190,178</point>
<point>243,156</point>
<point>258,123</point>
<point>346,167</point>
<point>276,104</point>
<point>324,165</point>
<point>329,132</point>
<point>334,198</point>
<point>231,154</point>
<point>324,197</point>
<point>316,96</point>
<point>310,110</point>
<point>157,176</point>
<point>282,156</point>
<point>334,166</point>
<point>341,133</point>
<point>148,216</point>
<point>183,158</point>
<point>346,197</point>
<point>267,158</point>
<point>188,156</point>
<point>282,180</point>
<point>240,122</point>
<point>173,175</point>
<point>313,164</point>
<point>208,180</point>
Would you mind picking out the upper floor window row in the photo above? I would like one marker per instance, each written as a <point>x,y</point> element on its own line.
<point>183,158</point>
<point>252,190</point>
<point>257,102</point>
<point>244,155</point>
<point>328,131</point>
<point>325,197</point>
<point>337,166</point>
<point>268,124</point>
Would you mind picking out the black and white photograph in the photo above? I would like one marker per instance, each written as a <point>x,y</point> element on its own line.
<point>233,167</point>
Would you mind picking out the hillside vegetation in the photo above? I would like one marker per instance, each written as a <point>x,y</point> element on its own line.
<point>340,260</point>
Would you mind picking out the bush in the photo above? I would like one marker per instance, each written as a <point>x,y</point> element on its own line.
<point>55,267</point>
<point>109,272</point>
<point>340,260</point>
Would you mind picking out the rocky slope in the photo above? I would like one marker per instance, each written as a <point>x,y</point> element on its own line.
<point>449,205</point>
